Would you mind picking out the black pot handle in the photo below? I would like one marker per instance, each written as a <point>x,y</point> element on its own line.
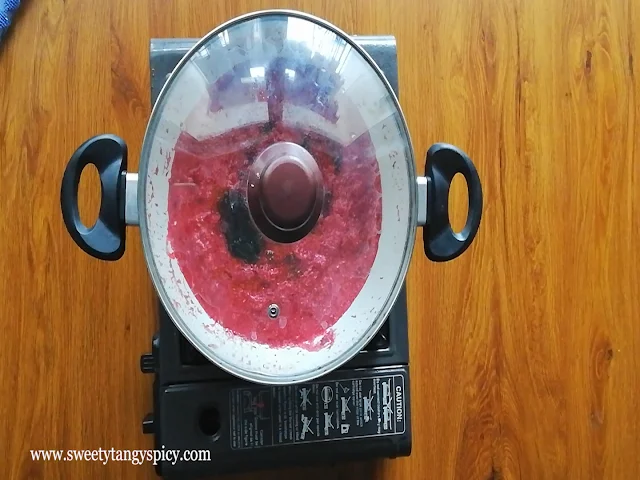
<point>106,239</point>
<point>443,162</point>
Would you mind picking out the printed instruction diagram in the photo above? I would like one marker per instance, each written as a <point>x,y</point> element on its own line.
<point>255,404</point>
<point>328,423</point>
<point>327,395</point>
<point>367,407</point>
<point>306,426</point>
<point>304,398</point>
<point>344,409</point>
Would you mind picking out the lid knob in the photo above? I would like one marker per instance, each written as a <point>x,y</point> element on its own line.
<point>288,192</point>
<point>285,192</point>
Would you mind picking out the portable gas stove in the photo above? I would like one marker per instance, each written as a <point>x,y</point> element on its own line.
<point>360,411</point>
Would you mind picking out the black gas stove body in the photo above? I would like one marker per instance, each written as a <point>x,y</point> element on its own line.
<point>360,411</point>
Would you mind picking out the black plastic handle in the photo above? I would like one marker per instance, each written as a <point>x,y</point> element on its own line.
<point>443,162</point>
<point>106,239</point>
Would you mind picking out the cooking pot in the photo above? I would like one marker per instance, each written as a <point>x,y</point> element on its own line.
<point>277,197</point>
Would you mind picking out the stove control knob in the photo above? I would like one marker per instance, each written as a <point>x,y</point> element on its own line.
<point>147,363</point>
<point>147,424</point>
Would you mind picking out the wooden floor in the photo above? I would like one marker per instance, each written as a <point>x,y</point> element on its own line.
<point>525,351</point>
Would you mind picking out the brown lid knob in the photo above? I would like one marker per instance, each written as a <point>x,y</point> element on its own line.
<point>285,192</point>
<point>288,192</point>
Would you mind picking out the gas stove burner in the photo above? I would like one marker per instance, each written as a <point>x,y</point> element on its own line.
<point>358,412</point>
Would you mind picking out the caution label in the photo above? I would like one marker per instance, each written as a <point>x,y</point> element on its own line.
<point>318,411</point>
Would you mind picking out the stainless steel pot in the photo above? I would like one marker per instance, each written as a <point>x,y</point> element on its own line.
<point>277,197</point>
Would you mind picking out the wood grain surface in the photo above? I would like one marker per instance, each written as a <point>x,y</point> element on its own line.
<point>524,352</point>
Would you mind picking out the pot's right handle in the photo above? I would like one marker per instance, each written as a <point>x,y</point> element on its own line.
<point>106,239</point>
<point>443,162</point>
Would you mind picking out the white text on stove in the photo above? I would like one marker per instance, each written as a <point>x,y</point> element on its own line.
<point>399,408</point>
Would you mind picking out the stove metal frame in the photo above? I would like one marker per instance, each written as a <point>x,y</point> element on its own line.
<point>182,388</point>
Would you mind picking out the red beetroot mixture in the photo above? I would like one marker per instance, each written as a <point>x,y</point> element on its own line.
<point>314,280</point>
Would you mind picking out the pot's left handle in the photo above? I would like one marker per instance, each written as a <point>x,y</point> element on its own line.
<point>444,162</point>
<point>106,239</point>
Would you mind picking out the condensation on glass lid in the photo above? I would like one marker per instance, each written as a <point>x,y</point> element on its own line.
<point>236,272</point>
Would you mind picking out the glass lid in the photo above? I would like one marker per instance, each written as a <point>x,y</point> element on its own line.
<point>278,199</point>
